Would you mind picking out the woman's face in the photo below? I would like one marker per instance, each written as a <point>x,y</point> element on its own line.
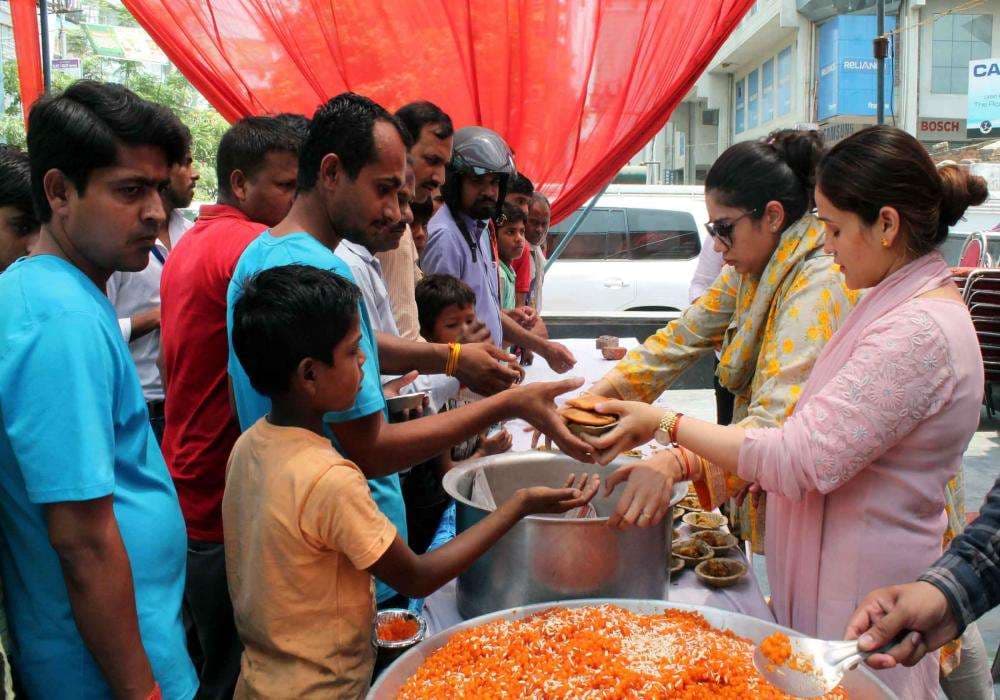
<point>856,246</point>
<point>747,242</point>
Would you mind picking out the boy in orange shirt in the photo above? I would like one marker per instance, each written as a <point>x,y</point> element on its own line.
<point>303,536</point>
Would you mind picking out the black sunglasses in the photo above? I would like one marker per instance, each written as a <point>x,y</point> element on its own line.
<point>723,230</point>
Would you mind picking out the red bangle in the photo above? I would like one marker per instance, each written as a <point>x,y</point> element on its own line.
<point>687,465</point>
<point>673,429</point>
<point>155,693</point>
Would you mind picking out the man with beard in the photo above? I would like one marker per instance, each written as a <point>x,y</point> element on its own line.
<point>431,131</point>
<point>459,241</point>
<point>136,295</point>
<point>351,168</point>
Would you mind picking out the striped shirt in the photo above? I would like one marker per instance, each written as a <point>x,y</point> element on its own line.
<point>968,573</point>
<point>401,274</point>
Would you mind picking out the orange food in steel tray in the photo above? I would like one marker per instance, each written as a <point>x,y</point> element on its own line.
<point>396,629</point>
<point>596,652</point>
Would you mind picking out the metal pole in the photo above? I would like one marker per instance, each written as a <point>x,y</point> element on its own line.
<point>43,23</point>
<point>880,53</point>
<point>572,229</point>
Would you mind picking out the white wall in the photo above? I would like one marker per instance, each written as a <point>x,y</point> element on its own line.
<point>945,105</point>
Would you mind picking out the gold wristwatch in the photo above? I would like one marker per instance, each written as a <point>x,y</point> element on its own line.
<point>666,433</point>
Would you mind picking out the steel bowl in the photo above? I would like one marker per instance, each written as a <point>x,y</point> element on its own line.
<point>860,684</point>
<point>551,558</point>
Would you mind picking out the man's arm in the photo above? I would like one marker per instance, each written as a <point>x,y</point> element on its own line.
<point>558,356</point>
<point>98,579</point>
<point>481,366</point>
<point>380,448</point>
<point>145,322</point>
<point>968,573</point>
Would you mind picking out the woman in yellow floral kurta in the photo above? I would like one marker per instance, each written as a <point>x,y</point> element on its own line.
<point>771,327</point>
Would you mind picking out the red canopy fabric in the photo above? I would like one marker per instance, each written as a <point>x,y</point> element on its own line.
<point>27,50</point>
<point>575,86</point>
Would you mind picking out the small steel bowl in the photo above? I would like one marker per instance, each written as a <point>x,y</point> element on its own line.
<point>394,614</point>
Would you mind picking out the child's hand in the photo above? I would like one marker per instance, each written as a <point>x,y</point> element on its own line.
<point>497,443</point>
<point>542,499</point>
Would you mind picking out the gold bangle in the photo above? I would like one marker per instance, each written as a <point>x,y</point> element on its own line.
<point>454,351</point>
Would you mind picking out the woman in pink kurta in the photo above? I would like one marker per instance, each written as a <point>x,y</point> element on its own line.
<point>856,476</point>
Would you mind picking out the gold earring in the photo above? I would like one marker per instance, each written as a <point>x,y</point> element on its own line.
<point>885,243</point>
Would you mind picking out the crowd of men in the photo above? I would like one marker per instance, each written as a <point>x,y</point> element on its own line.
<point>121,393</point>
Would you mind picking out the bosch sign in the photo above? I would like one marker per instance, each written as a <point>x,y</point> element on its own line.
<point>939,129</point>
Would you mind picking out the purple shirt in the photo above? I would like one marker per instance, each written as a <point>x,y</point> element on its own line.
<point>448,253</point>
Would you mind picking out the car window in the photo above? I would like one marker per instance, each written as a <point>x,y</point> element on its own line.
<point>601,234</point>
<point>658,234</point>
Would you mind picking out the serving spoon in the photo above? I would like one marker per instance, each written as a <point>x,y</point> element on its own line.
<point>829,661</point>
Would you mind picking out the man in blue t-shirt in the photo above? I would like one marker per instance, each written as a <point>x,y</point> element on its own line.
<point>93,539</point>
<point>351,172</point>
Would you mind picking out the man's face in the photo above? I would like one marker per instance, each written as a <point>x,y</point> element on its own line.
<point>18,233</point>
<point>360,209</point>
<point>183,178</point>
<point>267,196</point>
<point>480,194</point>
<point>521,201</point>
<point>113,224</point>
<point>538,222</point>
<point>430,155</point>
<point>388,238</point>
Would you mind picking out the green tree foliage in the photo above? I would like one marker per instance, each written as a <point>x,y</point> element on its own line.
<point>171,88</point>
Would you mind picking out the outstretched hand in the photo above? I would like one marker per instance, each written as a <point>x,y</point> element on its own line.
<point>577,493</point>
<point>535,403</point>
<point>648,487</point>
<point>637,423</point>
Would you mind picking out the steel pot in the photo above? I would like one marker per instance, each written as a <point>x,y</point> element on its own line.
<point>860,683</point>
<point>551,558</point>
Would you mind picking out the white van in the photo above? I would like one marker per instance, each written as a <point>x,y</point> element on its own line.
<point>636,251</point>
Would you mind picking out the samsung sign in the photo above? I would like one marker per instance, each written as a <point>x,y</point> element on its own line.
<point>983,119</point>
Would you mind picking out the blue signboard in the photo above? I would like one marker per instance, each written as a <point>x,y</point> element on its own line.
<point>984,99</point>
<point>847,70</point>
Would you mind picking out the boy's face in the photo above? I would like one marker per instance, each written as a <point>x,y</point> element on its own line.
<point>18,233</point>
<point>419,237</point>
<point>453,323</point>
<point>335,386</point>
<point>510,241</point>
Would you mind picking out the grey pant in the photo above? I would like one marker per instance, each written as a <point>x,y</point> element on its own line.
<point>972,679</point>
<point>208,619</point>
